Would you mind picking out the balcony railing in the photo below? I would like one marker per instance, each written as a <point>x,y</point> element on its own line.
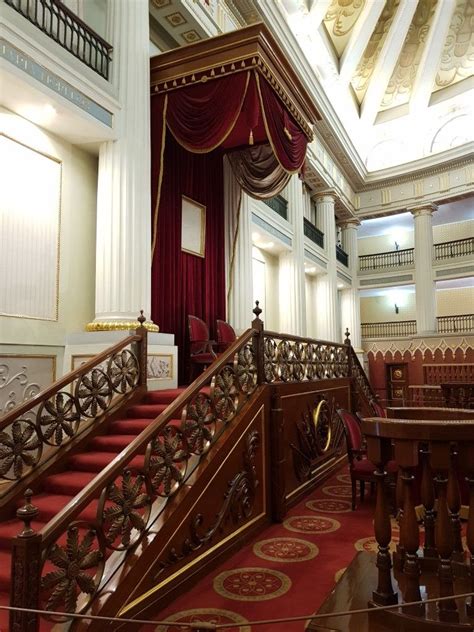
<point>313,233</point>
<point>457,248</point>
<point>342,256</point>
<point>279,205</point>
<point>461,323</point>
<point>392,259</point>
<point>394,329</point>
<point>64,27</point>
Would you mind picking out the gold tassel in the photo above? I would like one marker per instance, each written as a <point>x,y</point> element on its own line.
<point>288,135</point>
<point>251,137</point>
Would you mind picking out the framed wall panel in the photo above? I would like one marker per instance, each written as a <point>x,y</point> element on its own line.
<point>193,227</point>
<point>30,202</point>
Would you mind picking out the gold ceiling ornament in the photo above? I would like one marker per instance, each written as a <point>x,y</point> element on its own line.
<point>365,68</point>
<point>402,79</point>
<point>457,59</point>
<point>121,325</point>
<point>340,19</point>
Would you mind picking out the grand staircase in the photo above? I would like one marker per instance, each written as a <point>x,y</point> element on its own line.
<point>56,490</point>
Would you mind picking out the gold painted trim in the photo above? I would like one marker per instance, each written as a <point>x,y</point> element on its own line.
<point>162,355</point>
<point>206,553</point>
<point>120,325</point>
<point>58,241</point>
<point>54,358</point>
<point>226,134</point>
<point>316,415</point>
<point>160,179</point>
<point>203,208</point>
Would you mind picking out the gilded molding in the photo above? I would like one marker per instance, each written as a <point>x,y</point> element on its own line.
<point>458,52</point>
<point>120,325</point>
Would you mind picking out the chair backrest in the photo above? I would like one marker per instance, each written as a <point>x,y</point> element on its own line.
<point>352,429</point>
<point>225,335</point>
<point>378,409</point>
<point>198,334</point>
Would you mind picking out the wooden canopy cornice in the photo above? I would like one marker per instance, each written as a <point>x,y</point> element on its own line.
<point>237,51</point>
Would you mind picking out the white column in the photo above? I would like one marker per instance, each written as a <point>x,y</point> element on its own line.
<point>123,255</point>
<point>291,273</point>
<point>238,242</point>
<point>325,307</point>
<point>424,283</point>
<point>350,300</point>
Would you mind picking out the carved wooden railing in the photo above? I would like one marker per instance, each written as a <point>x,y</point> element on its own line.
<point>391,259</point>
<point>75,557</point>
<point>439,373</point>
<point>32,433</point>
<point>444,452</point>
<point>62,25</point>
<point>460,323</point>
<point>456,248</point>
<point>392,329</point>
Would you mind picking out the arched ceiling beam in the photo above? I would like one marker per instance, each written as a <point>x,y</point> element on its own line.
<point>386,61</point>
<point>318,11</point>
<point>359,39</point>
<point>430,58</point>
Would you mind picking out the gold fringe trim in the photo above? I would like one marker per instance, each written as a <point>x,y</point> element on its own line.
<point>121,325</point>
<point>160,180</point>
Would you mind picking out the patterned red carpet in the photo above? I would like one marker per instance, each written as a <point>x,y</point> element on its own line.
<point>287,570</point>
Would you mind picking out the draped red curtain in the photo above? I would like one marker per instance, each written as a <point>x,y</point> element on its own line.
<point>184,284</point>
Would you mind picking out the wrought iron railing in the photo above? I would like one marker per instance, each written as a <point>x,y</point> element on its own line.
<point>35,431</point>
<point>395,329</point>
<point>342,256</point>
<point>460,323</point>
<point>279,205</point>
<point>392,259</point>
<point>64,27</point>
<point>456,248</point>
<point>313,233</point>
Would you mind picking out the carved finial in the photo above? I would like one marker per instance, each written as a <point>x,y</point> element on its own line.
<point>141,319</point>
<point>347,341</point>
<point>257,311</point>
<point>26,515</point>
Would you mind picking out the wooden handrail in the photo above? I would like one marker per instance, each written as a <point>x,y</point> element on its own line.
<point>274,334</point>
<point>68,378</point>
<point>459,429</point>
<point>386,252</point>
<point>57,525</point>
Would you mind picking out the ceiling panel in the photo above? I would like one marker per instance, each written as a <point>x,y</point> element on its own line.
<point>457,59</point>
<point>340,19</point>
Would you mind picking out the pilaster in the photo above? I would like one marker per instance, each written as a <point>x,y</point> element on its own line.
<point>350,300</point>
<point>123,251</point>
<point>424,283</point>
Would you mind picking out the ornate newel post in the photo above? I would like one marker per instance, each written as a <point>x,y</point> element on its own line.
<point>142,350</point>
<point>440,462</point>
<point>259,344</point>
<point>25,573</point>
<point>278,452</point>
<point>347,342</point>
<point>379,452</point>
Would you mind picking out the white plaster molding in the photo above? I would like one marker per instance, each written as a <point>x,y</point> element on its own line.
<point>422,345</point>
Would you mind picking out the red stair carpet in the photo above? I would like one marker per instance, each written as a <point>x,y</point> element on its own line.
<point>287,570</point>
<point>58,489</point>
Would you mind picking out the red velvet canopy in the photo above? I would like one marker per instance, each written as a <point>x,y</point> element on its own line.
<point>200,108</point>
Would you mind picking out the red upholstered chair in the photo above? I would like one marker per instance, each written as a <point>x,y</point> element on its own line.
<point>379,410</point>
<point>361,469</point>
<point>201,352</point>
<point>225,335</point>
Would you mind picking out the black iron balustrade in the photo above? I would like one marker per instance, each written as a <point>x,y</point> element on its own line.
<point>391,259</point>
<point>460,323</point>
<point>392,329</point>
<point>456,248</point>
<point>342,256</point>
<point>279,205</point>
<point>64,27</point>
<point>313,233</point>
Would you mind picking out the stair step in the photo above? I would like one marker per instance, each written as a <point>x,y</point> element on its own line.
<point>68,483</point>
<point>146,411</point>
<point>11,528</point>
<point>111,443</point>
<point>50,505</point>
<point>97,461</point>
<point>134,426</point>
<point>162,397</point>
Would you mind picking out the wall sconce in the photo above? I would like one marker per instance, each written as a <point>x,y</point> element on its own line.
<point>397,309</point>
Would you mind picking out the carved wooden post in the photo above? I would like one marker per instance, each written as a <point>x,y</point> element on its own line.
<point>278,458</point>
<point>347,342</point>
<point>454,505</point>
<point>142,350</point>
<point>399,558</point>
<point>25,571</point>
<point>379,452</point>
<point>428,499</point>
<point>411,541</point>
<point>440,461</point>
<point>258,344</point>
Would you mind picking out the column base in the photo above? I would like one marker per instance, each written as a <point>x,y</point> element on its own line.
<point>120,325</point>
